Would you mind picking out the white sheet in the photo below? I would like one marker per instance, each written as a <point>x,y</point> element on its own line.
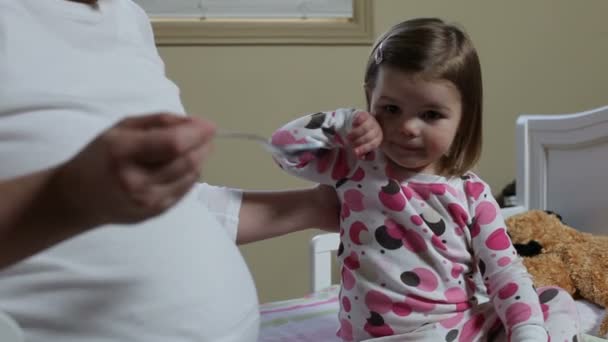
<point>315,318</point>
<point>591,316</point>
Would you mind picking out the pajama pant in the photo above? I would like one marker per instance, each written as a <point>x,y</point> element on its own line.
<point>482,324</point>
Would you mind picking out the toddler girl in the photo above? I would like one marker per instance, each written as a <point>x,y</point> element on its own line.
<point>417,227</point>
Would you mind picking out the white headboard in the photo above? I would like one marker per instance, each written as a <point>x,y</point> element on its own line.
<point>562,165</point>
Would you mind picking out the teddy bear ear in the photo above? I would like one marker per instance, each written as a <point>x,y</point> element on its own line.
<point>559,217</point>
<point>529,249</point>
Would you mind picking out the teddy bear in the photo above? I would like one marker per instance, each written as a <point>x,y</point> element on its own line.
<point>559,255</point>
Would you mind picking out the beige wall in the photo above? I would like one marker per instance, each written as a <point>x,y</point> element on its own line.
<point>538,56</point>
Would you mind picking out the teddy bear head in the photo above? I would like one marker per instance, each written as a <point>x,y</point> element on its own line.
<point>536,231</point>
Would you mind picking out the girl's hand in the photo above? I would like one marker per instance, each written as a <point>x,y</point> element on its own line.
<point>366,134</point>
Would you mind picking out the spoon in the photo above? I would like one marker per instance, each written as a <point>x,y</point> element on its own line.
<point>291,150</point>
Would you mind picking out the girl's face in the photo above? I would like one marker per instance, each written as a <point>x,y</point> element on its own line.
<point>419,118</point>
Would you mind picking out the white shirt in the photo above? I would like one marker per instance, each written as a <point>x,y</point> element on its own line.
<point>68,72</point>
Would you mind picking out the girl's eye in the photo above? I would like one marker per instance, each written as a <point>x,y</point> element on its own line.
<point>431,115</point>
<point>391,109</point>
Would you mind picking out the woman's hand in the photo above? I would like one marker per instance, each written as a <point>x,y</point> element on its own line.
<point>366,134</point>
<point>136,169</point>
<point>132,171</point>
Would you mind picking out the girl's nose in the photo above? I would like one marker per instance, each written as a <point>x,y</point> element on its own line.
<point>410,128</point>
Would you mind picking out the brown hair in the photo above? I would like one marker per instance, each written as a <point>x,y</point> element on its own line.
<point>438,51</point>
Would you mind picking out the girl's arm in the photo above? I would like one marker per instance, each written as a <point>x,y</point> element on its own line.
<point>273,213</point>
<point>509,285</point>
<point>340,145</point>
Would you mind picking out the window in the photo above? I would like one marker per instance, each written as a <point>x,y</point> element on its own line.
<point>187,22</point>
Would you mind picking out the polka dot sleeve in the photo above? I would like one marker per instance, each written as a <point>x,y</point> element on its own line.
<point>509,284</point>
<point>333,161</point>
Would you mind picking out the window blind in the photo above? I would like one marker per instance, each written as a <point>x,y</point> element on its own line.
<point>249,9</point>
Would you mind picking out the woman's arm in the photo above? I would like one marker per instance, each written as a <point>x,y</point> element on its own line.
<point>31,219</point>
<point>267,214</point>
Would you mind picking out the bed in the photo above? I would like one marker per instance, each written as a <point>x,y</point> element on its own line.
<point>559,157</point>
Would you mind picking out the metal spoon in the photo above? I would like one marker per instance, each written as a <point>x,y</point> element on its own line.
<point>291,150</point>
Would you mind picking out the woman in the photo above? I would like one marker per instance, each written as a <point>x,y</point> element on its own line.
<point>176,277</point>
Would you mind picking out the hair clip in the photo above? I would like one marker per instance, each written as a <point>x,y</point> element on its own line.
<point>378,56</point>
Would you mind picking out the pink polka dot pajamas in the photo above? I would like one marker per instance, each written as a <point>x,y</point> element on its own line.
<point>426,258</point>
